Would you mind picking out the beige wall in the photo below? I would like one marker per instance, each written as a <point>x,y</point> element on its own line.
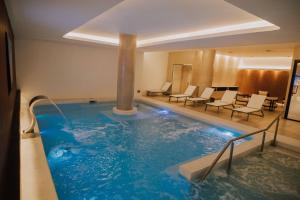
<point>277,61</point>
<point>296,54</point>
<point>138,80</point>
<point>205,70</point>
<point>202,65</point>
<point>179,57</point>
<point>63,70</point>
<point>225,70</point>
<point>154,70</point>
<point>226,67</point>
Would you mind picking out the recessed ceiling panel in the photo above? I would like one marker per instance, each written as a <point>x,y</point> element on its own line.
<point>160,21</point>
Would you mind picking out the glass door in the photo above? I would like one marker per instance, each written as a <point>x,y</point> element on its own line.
<point>293,104</point>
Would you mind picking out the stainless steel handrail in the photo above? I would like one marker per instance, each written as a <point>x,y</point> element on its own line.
<point>32,102</point>
<point>231,144</point>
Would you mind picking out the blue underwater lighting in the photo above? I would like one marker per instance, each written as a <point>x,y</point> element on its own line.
<point>164,112</point>
<point>103,156</point>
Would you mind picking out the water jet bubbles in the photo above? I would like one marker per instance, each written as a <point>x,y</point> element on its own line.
<point>61,153</point>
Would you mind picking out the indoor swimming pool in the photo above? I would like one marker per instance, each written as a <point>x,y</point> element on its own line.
<point>95,154</point>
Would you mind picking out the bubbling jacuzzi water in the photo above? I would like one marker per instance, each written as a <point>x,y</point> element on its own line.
<point>105,156</point>
<point>272,175</point>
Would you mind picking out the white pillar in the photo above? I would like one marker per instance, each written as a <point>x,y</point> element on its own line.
<point>125,90</point>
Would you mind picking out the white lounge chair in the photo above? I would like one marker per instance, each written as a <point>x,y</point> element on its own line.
<point>227,100</point>
<point>254,105</point>
<point>164,89</point>
<point>187,93</point>
<point>205,96</point>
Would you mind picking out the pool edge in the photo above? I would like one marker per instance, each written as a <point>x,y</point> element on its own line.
<point>36,180</point>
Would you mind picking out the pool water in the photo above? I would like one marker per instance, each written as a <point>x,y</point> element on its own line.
<point>98,155</point>
<point>273,175</point>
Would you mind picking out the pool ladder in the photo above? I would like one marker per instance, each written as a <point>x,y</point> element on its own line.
<point>230,144</point>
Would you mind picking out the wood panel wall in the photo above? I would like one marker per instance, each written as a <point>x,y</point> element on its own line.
<point>7,100</point>
<point>274,81</point>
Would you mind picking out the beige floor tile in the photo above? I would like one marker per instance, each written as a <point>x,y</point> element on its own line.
<point>286,127</point>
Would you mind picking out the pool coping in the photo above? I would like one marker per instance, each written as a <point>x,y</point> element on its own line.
<point>36,180</point>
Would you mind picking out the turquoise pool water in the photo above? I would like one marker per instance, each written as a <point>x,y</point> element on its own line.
<point>273,175</point>
<point>98,155</point>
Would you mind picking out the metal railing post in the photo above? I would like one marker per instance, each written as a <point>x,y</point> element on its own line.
<point>276,131</point>
<point>230,156</point>
<point>231,144</point>
<point>263,142</point>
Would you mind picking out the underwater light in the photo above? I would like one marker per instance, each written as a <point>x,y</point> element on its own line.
<point>61,153</point>
<point>163,112</point>
<point>228,133</point>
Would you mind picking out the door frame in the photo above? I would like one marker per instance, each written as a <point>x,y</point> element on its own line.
<point>287,108</point>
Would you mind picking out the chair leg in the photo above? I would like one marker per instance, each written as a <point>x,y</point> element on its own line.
<point>262,113</point>
<point>205,107</point>
<point>218,108</point>
<point>185,102</point>
<point>232,113</point>
<point>170,98</point>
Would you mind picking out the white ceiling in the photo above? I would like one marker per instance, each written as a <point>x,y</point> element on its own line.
<point>278,50</point>
<point>156,18</point>
<point>283,13</point>
<point>51,19</point>
<point>166,21</point>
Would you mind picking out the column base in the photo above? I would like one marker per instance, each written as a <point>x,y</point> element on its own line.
<point>117,111</point>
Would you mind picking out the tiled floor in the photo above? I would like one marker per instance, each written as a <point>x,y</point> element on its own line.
<point>286,127</point>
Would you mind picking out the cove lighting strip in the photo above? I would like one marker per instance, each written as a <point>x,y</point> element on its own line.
<point>257,26</point>
<point>266,67</point>
<point>250,27</point>
<point>92,38</point>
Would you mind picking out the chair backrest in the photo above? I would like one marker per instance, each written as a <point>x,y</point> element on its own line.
<point>256,101</point>
<point>229,96</point>
<point>207,92</point>
<point>264,93</point>
<point>166,86</point>
<point>190,90</point>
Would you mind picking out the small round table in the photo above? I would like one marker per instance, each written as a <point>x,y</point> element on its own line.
<point>273,101</point>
